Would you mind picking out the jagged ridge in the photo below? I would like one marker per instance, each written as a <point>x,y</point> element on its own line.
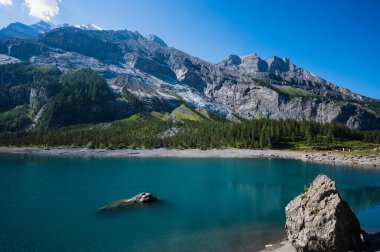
<point>163,78</point>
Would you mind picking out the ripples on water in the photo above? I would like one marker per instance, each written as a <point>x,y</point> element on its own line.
<point>49,203</point>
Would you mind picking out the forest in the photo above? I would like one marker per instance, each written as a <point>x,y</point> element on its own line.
<point>145,130</point>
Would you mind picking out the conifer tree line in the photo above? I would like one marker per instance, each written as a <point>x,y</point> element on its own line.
<point>261,133</point>
<point>145,131</point>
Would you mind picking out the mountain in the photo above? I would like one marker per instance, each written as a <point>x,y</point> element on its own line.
<point>18,30</point>
<point>23,31</point>
<point>43,26</point>
<point>145,74</point>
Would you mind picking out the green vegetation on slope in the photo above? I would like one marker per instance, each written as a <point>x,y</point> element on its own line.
<point>74,97</point>
<point>135,103</point>
<point>287,92</point>
<point>373,104</point>
<point>186,113</point>
<point>81,100</point>
<point>140,130</point>
<point>16,80</point>
<point>15,120</point>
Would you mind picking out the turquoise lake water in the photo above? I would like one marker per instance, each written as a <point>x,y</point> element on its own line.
<point>49,203</point>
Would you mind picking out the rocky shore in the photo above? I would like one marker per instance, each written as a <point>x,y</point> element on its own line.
<point>343,158</point>
<point>372,160</point>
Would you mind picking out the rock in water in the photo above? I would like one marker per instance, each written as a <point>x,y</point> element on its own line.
<point>138,200</point>
<point>319,220</point>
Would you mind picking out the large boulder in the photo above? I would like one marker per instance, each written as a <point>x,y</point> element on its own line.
<point>319,220</point>
<point>138,200</point>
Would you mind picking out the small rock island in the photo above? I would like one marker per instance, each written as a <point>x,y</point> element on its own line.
<point>141,199</point>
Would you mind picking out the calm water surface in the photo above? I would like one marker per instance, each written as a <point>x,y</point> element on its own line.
<point>49,203</point>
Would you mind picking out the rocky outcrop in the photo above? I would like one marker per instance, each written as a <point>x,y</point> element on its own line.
<point>38,97</point>
<point>156,39</point>
<point>319,220</point>
<point>135,90</point>
<point>141,199</point>
<point>5,59</point>
<point>84,42</point>
<point>22,49</point>
<point>157,69</point>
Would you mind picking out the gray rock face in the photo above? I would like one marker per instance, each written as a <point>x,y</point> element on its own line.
<point>38,97</point>
<point>319,220</point>
<point>246,86</point>
<point>157,69</point>
<point>156,39</point>
<point>138,200</point>
<point>149,97</point>
<point>249,99</point>
<point>5,59</point>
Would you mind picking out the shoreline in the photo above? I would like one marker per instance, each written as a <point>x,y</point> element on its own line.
<point>328,157</point>
<point>161,152</point>
<point>280,246</point>
<point>286,246</point>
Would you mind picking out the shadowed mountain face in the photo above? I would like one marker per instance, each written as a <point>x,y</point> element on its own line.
<point>20,30</point>
<point>162,77</point>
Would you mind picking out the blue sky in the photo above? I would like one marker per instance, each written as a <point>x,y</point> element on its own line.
<point>338,40</point>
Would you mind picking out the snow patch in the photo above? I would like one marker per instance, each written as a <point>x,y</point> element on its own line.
<point>89,27</point>
<point>5,59</point>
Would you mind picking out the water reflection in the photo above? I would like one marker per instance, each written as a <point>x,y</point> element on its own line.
<point>362,198</point>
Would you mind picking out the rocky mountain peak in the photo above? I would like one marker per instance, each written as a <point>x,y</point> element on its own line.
<point>43,26</point>
<point>248,64</point>
<point>254,63</point>
<point>231,60</point>
<point>16,25</point>
<point>18,30</point>
<point>250,56</point>
<point>23,31</point>
<point>278,65</point>
<point>156,39</point>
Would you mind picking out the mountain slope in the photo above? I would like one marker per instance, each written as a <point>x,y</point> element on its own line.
<point>149,75</point>
<point>18,30</point>
<point>23,31</point>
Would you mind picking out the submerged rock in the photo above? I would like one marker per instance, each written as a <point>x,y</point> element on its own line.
<point>319,220</point>
<point>138,200</point>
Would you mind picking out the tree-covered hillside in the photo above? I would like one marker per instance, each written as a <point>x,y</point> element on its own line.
<point>43,96</point>
<point>83,98</point>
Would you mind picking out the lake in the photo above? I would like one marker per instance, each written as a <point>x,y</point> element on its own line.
<point>49,203</point>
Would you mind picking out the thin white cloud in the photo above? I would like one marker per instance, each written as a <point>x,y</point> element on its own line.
<point>42,9</point>
<point>6,2</point>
